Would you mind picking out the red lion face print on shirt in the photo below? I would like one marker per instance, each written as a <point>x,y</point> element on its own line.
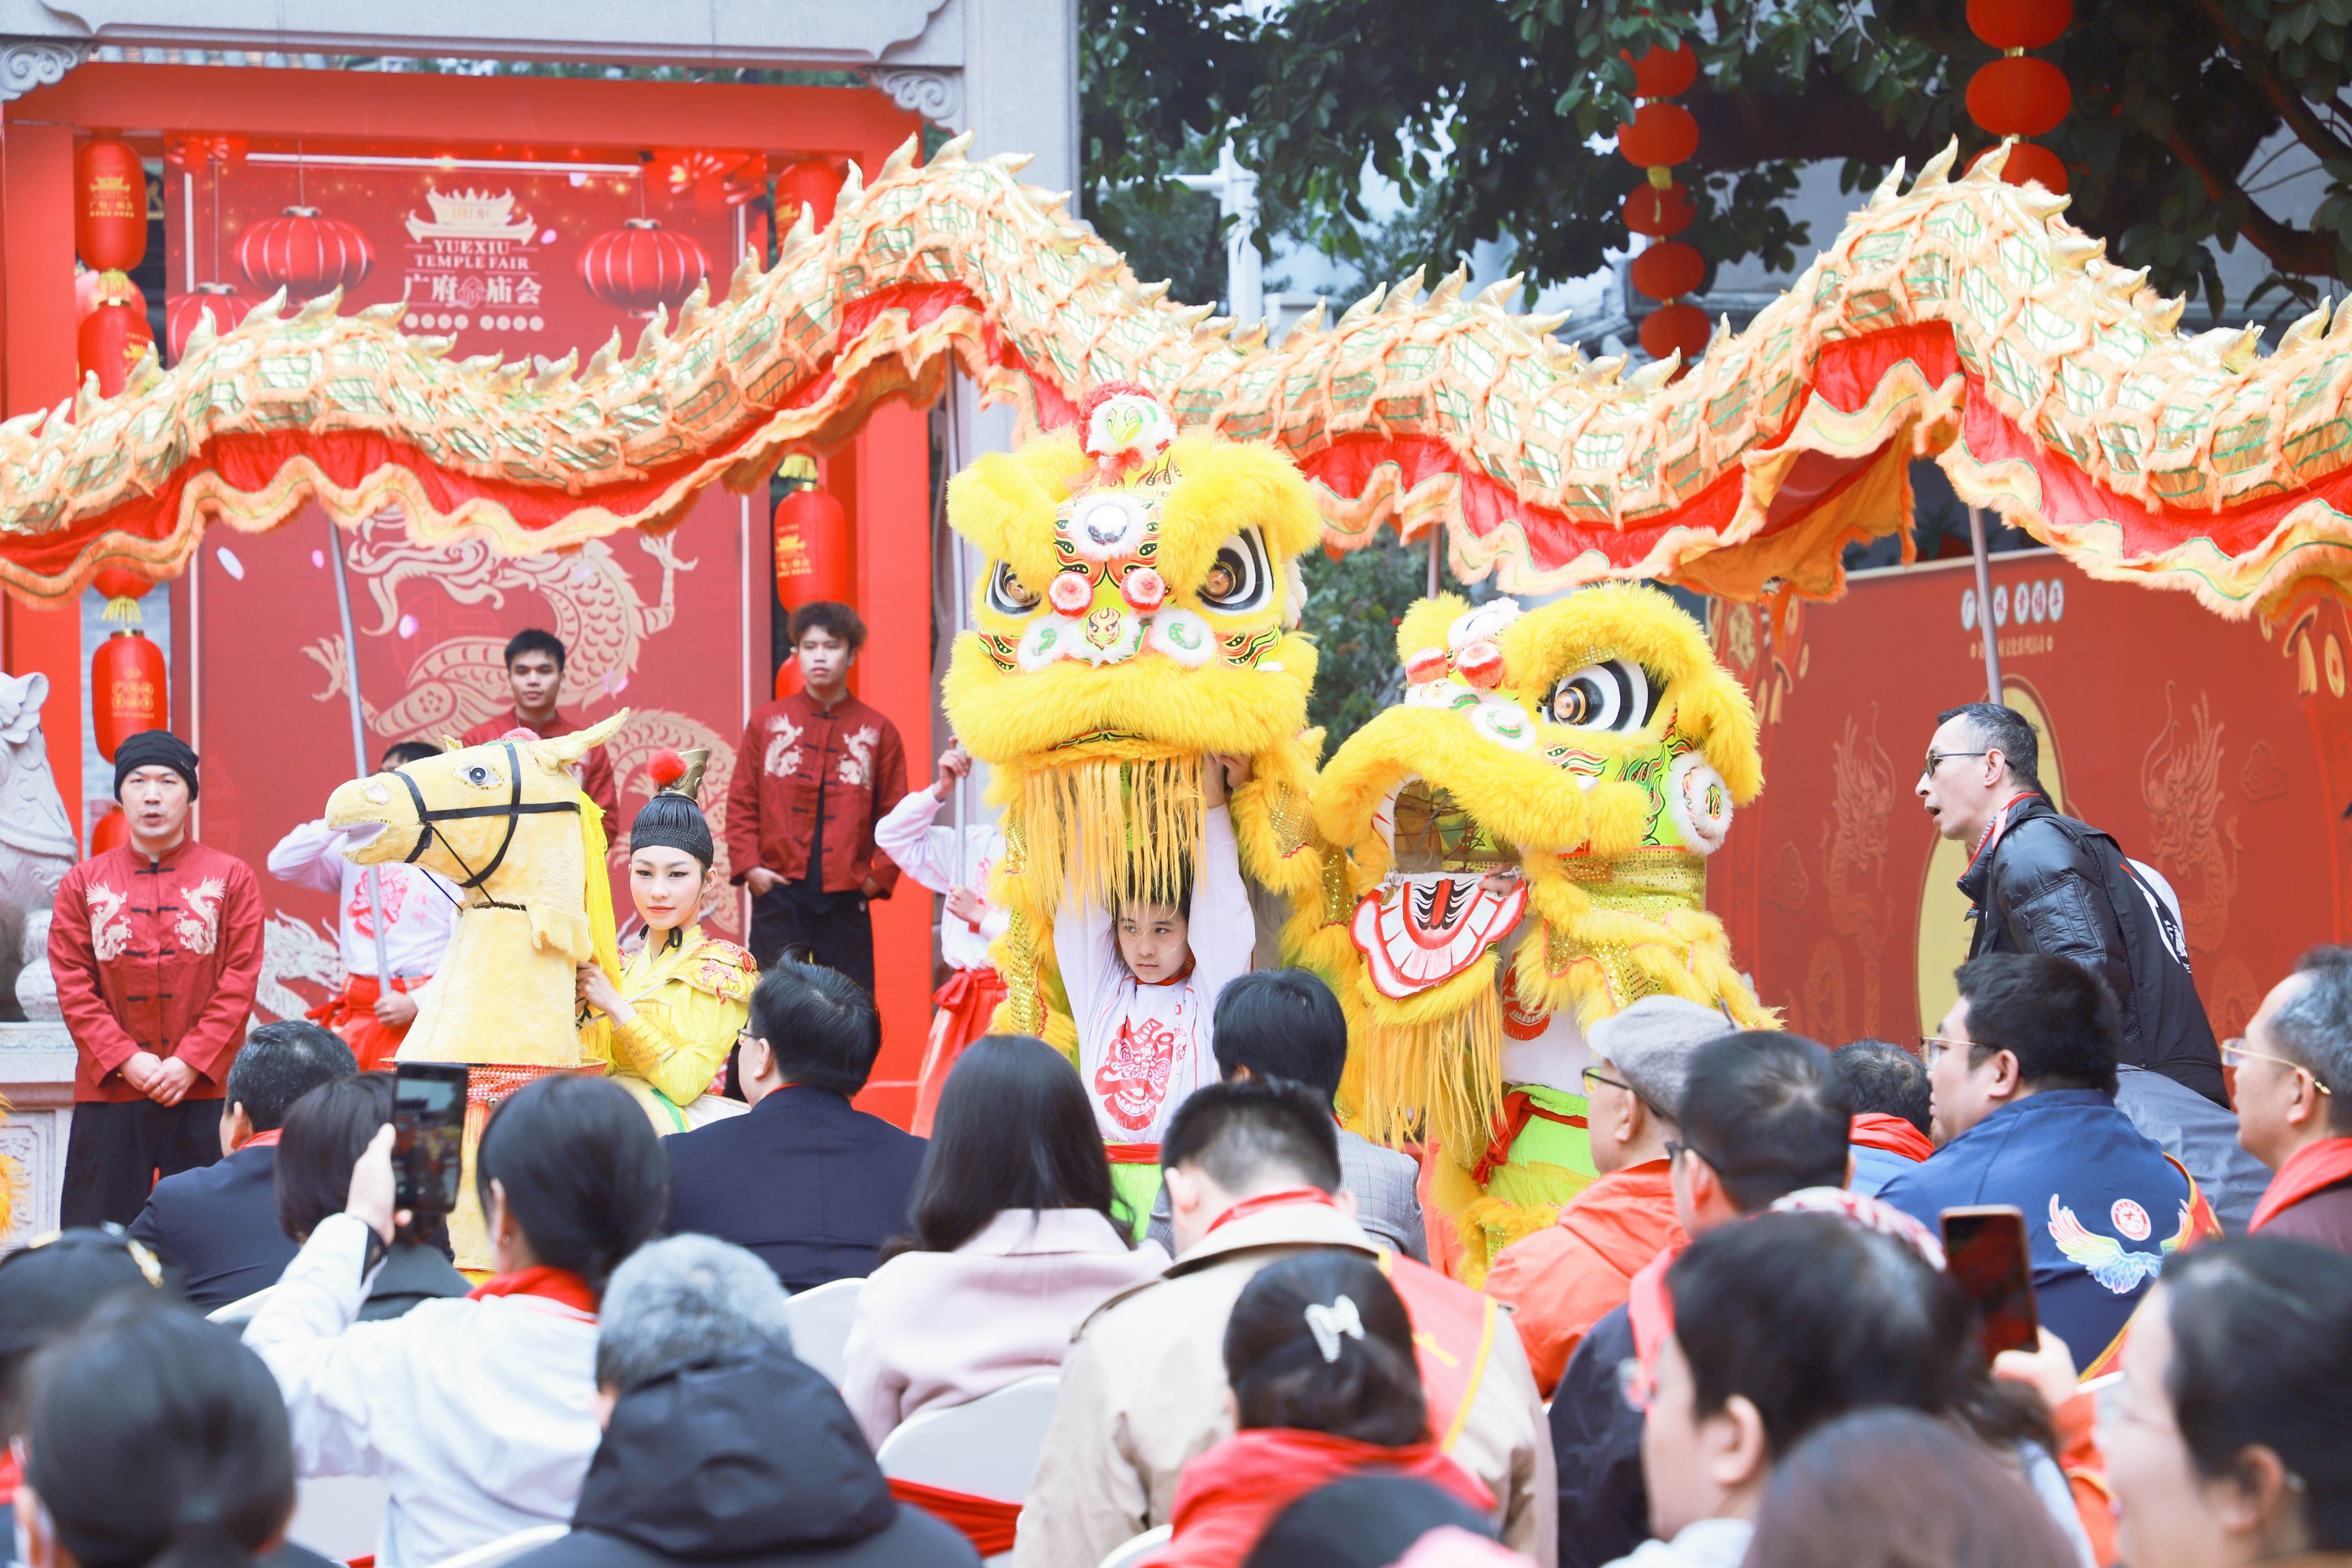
<point>1133,1078</point>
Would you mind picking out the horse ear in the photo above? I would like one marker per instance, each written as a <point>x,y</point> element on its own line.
<point>451,743</point>
<point>562,750</point>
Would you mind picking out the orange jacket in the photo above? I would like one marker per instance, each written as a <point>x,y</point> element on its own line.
<point>1564,1279</point>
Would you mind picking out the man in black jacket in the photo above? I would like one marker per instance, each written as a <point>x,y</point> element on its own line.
<point>719,1446</point>
<point>807,1180</point>
<point>2042,882</point>
<point>218,1224</point>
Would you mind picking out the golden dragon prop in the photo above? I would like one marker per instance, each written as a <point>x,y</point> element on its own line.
<point>1961,319</point>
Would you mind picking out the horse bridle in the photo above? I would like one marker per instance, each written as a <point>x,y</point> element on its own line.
<point>515,807</point>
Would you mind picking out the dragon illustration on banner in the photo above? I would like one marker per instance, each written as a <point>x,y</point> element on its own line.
<point>1961,319</point>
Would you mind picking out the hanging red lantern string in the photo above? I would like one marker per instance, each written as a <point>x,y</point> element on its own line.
<point>110,204</point>
<point>641,267</point>
<point>180,318</point>
<point>113,336</point>
<point>1659,136</point>
<point>2017,95</point>
<point>130,683</point>
<point>303,253</point>
<point>90,289</point>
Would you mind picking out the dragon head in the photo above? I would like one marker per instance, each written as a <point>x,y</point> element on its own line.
<point>1138,608</point>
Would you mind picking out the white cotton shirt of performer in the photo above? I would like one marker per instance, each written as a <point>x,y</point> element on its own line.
<point>477,1413</point>
<point>1143,1049</point>
<point>420,907</point>
<point>928,854</point>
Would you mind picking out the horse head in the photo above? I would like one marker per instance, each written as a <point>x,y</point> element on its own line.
<point>499,820</point>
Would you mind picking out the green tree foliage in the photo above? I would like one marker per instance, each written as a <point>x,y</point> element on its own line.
<point>2172,99</point>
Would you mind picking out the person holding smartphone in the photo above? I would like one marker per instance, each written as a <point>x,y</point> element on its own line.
<point>479,1411</point>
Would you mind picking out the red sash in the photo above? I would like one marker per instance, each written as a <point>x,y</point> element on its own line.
<point>988,1523</point>
<point>1452,1336</point>
<point>555,1284</point>
<point>2310,1168</point>
<point>2202,1226</point>
<point>1265,1201</point>
<point>1876,1129</point>
<point>263,1140</point>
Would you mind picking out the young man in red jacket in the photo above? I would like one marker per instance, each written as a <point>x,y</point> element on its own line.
<point>534,676</point>
<point>814,773</point>
<point>156,947</point>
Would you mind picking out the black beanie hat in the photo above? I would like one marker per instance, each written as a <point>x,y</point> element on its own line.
<point>154,749</point>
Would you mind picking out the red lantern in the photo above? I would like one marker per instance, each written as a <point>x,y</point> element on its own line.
<point>1669,269</point>
<point>2029,162</point>
<point>1661,133</point>
<point>113,337</point>
<point>1662,73</point>
<point>304,254</point>
<point>641,267</point>
<point>1670,328</point>
<point>91,287</point>
<point>813,183</point>
<point>2020,24</point>
<point>180,318</point>
<point>110,204</point>
<point>1656,213</point>
<point>2018,95</point>
<point>812,537</point>
<point>129,690</point>
<point>123,589</point>
<point>112,832</point>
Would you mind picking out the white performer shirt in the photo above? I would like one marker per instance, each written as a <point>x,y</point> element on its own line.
<point>420,910</point>
<point>1143,1049</point>
<point>928,854</point>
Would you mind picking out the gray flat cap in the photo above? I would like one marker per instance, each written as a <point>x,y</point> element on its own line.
<point>1651,1045</point>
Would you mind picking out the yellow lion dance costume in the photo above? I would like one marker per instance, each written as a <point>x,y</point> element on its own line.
<point>1523,846</point>
<point>1138,610</point>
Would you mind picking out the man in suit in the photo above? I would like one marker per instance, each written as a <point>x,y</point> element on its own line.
<point>812,1185</point>
<point>1286,1023</point>
<point>218,1224</point>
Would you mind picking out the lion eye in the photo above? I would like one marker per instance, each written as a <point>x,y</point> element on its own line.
<point>1616,695</point>
<point>1240,578</point>
<point>1007,594</point>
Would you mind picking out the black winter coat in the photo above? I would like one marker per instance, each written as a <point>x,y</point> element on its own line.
<point>2051,884</point>
<point>1596,1446</point>
<point>752,1462</point>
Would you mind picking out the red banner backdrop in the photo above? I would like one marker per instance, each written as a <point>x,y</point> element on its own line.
<point>487,250</point>
<point>2220,753</point>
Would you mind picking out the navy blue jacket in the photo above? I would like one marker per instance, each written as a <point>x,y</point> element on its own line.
<point>809,1183</point>
<point>218,1224</point>
<point>2103,1206</point>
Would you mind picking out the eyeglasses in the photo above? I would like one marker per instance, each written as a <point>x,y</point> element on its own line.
<point>2234,1053</point>
<point>1675,1151</point>
<point>1594,1075</point>
<point>1932,1046</point>
<point>1933,757</point>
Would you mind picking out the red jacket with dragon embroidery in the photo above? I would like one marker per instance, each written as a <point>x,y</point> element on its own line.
<point>156,955</point>
<point>788,748</point>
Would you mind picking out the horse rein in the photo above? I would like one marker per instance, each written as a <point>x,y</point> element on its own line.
<point>514,808</point>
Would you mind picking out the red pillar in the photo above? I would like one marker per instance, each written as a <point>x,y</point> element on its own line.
<point>36,369</point>
<point>890,511</point>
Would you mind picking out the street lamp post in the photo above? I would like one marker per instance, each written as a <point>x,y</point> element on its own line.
<point>1236,189</point>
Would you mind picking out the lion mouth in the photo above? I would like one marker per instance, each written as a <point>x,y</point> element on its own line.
<point>1427,831</point>
<point>1443,906</point>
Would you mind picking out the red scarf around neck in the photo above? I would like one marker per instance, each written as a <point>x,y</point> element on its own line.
<point>1265,1201</point>
<point>1876,1129</point>
<point>559,1285</point>
<point>2310,1168</point>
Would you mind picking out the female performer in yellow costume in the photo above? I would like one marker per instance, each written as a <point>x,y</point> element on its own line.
<point>684,996</point>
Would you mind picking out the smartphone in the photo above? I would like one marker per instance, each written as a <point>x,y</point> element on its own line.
<point>428,1122</point>
<point>1987,1255</point>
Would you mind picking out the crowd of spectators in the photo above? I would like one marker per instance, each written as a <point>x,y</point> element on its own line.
<point>1740,1345</point>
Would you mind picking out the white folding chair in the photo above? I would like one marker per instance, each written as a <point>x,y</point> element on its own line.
<point>1137,1550</point>
<point>240,1311</point>
<point>820,1321</point>
<point>339,1516</point>
<point>986,1448</point>
<point>507,1548</point>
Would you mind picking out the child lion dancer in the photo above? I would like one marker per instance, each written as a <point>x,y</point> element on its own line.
<point>931,856</point>
<point>1142,983</point>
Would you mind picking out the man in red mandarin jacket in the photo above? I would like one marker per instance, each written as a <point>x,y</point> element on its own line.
<point>814,773</point>
<point>534,673</point>
<point>156,947</point>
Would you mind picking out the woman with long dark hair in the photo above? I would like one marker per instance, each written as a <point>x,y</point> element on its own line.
<point>479,1411</point>
<point>153,1439</point>
<point>1320,1360</point>
<point>1014,1241</point>
<point>326,1132</point>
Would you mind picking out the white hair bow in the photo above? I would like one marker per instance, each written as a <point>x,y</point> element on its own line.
<point>1328,1324</point>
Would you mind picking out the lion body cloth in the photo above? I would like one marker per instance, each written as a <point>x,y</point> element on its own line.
<point>1520,850</point>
